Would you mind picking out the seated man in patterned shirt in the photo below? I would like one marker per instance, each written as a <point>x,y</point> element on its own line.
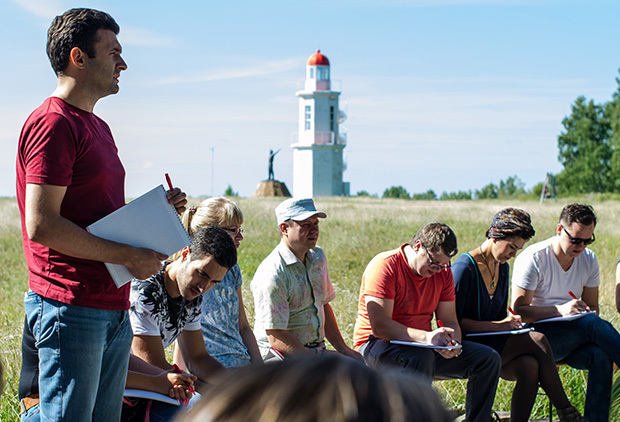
<point>292,289</point>
<point>167,306</point>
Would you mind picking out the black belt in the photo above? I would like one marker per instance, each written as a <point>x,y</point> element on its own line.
<point>315,344</point>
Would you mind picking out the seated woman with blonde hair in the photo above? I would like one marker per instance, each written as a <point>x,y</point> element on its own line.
<point>481,282</point>
<point>225,328</point>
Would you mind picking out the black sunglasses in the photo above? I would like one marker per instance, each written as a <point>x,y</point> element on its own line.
<point>577,240</point>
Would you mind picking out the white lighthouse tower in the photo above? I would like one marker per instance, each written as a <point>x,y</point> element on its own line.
<point>317,155</point>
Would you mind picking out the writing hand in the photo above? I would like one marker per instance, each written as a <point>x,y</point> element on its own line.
<point>180,385</point>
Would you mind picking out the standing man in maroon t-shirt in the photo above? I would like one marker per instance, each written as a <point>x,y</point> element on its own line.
<point>69,175</point>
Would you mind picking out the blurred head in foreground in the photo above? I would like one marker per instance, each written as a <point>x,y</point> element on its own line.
<point>325,388</point>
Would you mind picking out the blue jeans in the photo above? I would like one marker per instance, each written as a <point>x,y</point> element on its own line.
<point>83,359</point>
<point>587,343</point>
<point>164,412</point>
<point>31,415</point>
<point>479,363</point>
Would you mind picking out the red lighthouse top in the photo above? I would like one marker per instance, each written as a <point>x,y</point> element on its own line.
<point>317,59</point>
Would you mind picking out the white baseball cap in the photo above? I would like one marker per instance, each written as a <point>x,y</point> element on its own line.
<point>297,209</point>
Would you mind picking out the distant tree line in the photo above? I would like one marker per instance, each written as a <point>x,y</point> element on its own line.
<point>512,187</point>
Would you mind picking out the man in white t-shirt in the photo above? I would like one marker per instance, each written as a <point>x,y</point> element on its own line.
<point>559,277</point>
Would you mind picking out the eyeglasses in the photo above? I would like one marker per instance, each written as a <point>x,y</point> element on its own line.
<point>235,232</point>
<point>436,265</point>
<point>577,240</point>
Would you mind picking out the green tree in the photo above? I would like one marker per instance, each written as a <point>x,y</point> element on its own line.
<point>585,149</point>
<point>612,113</point>
<point>489,191</point>
<point>429,195</point>
<point>365,194</point>
<point>230,192</point>
<point>512,187</point>
<point>460,195</point>
<point>396,192</point>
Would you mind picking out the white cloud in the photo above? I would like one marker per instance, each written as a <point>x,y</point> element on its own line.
<point>47,9</point>
<point>235,73</point>
<point>144,38</point>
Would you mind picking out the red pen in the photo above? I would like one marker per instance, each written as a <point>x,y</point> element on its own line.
<point>513,313</point>
<point>439,323</point>
<point>178,370</point>
<point>572,295</point>
<point>169,181</point>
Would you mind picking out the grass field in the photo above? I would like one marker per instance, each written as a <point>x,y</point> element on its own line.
<point>356,229</point>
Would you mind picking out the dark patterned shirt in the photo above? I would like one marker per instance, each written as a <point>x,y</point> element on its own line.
<point>154,313</point>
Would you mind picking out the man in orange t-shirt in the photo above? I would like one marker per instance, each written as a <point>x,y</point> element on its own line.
<point>401,291</point>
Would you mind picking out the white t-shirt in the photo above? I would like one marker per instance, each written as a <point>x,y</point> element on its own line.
<point>538,269</point>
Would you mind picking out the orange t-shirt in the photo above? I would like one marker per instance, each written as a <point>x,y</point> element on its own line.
<point>388,276</point>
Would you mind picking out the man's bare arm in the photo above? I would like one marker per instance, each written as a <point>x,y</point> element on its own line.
<point>197,360</point>
<point>522,305</point>
<point>46,226</point>
<point>384,327</point>
<point>247,335</point>
<point>590,297</point>
<point>285,343</point>
<point>332,333</point>
<point>151,350</point>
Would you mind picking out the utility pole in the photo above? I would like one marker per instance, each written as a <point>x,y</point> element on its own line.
<point>212,168</point>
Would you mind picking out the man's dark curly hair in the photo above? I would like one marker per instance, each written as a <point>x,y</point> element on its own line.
<point>216,242</point>
<point>578,213</point>
<point>75,28</point>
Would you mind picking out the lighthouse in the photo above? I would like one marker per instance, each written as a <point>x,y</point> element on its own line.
<point>317,154</point>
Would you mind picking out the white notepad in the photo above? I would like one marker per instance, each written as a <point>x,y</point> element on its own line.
<point>424,345</point>
<point>563,318</point>
<point>497,333</point>
<point>146,222</point>
<point>150,395</point>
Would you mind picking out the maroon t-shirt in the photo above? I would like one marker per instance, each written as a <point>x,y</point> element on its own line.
<point>63,145</point>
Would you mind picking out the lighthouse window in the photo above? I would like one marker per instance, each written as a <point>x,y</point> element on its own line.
<point>331,118</point>
<point>311,73</point>
<point>308,117</point>
<point>322,73</point>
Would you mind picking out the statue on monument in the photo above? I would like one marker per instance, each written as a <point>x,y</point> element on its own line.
<point>271,157</point>
<point>271,186</point>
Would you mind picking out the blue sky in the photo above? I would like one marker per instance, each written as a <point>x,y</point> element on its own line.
<point>445,95</point>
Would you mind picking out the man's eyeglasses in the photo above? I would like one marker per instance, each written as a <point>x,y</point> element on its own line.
<point>577,240</point>
<point>435,265</point>
<point>236,231</point>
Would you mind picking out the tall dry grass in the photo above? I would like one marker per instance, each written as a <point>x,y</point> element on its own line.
<point>356,229</point>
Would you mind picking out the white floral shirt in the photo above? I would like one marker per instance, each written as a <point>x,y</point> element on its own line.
<point>290,295</point>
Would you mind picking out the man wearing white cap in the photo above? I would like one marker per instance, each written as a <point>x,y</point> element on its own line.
<point>292,289</point>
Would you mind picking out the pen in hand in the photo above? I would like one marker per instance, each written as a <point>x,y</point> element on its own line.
<point>513,313</point>
<point>178,370</point>
<point>576,298</point>
<point>170,186</point>
<point>169,181</point>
